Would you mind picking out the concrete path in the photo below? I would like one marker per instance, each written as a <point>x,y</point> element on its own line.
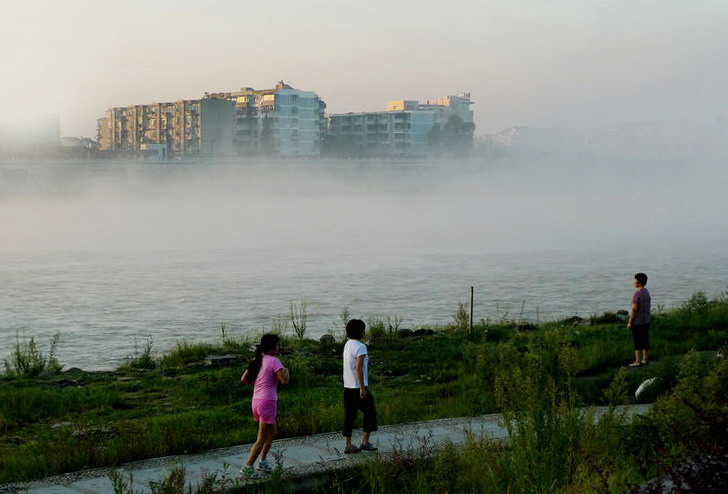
<point>299,457</point>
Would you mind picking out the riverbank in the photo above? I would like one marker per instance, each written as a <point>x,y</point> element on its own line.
<point>153,406</point>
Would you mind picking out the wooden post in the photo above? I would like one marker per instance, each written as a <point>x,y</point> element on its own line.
<point>472,290</point>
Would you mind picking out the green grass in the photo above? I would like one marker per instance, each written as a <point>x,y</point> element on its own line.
<point>173,404</point>
<point>553,447</point>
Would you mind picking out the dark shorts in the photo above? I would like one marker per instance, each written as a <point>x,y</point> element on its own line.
<point>641,336</point>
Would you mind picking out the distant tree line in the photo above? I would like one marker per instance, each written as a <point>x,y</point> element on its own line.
<point>455,138</point>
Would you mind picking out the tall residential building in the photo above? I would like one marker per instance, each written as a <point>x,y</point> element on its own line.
<point>199,128</point>
<point>405,129</point>
<point>282,121</point>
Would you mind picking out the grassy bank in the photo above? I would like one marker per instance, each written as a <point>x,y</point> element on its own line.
<point>554,448</point>
<point>58,421</point>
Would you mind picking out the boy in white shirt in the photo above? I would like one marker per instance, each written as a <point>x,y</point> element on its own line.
<point>356,387</point>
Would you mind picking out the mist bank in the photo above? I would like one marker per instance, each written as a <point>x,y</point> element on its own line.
<point>448,206</point>
<point>113,252</point>
<point>555,173</point>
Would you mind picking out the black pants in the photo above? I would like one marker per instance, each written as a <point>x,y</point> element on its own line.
<point>641,336</point>
<point>353,403</point>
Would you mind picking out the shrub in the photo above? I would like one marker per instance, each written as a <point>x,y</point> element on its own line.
<point>185,353</point>
<point>174,483</point>
<point>377,328</point>
<point>27,361</point>
<point>279,326</point>
<point>393,322</point>
<point>461,318</point>
<point>143,360</point>
<point>298,319</point>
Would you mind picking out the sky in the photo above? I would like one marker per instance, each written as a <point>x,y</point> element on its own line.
<point>525,62</point>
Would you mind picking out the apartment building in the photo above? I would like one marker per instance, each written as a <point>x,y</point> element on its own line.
<point>403,130</point>
<point>442,109</point>
<point>380,134</point>
<point>282,121</point>
<point>286,122</point>
<point>185,128</point>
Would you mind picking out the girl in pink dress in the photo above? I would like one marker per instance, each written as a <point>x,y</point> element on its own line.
<point>264,373</point>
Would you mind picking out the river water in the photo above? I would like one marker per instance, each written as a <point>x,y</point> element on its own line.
<point>111,254</point>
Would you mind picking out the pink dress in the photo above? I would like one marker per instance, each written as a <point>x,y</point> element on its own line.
<point>265,391</point>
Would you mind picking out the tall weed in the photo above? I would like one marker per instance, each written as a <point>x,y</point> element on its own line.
<point>27,361</point>
<point>298,319</point>
<point>141,360</point>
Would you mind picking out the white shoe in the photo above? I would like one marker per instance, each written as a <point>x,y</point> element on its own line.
<point>265,467</point>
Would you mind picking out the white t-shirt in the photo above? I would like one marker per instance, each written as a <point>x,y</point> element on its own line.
<point>352,350</point>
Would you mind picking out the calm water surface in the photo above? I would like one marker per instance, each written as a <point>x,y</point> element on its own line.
<point>109,262</point>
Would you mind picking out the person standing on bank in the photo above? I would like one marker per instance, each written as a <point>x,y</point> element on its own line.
<point>264,373</point>
<point>639,321</point>
<point>356,387</point>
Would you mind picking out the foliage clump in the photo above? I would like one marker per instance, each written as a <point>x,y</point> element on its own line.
<point>29,362</point>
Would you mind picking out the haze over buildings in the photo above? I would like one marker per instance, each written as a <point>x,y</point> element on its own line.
<point>284,122</point>
<point>526,63</point>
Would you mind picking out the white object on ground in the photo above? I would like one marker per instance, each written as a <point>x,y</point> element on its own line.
<point>645,384</point>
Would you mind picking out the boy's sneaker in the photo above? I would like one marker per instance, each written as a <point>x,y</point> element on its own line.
<point>249,473</point>
<point>265,467</point>
<point>368,447</point>
<point>350,450</point>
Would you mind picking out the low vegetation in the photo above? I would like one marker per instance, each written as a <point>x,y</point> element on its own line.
<point>537,376</point>
<point>26,360</point>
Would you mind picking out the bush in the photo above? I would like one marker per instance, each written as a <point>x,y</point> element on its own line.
<point>461,318</point>
<point>143,360</point>
<point>298,319</point>
<point>185,353</point>
<point>377,328</point>
<point>27,361</point>
<point>545,427</point>
<point>174,483</point>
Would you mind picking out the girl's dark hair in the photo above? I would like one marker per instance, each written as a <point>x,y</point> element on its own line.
<point>355,329</point>
<point>267,343</point>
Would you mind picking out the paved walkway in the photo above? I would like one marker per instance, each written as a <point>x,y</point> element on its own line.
<point>299,456</point>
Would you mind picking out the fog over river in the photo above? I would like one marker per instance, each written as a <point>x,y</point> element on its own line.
<point>108,253</point>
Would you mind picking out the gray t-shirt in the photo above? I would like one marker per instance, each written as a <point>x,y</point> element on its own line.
<point>642,298</point>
